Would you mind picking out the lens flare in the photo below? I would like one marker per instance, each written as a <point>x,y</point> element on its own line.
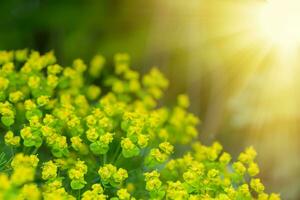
<point>280,21</point>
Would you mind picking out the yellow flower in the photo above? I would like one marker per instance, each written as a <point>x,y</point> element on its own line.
<point>47,131</point>
<point>54,69</point>
<point>48,119</point>
<point>158,155</point>
<point>62,106</point>
<point>248,156</point>
<point>21,160</point>
<point>274,197</point>
<point>127,144</point>
<point>176,190</point>
<point>106,138</point>
<point>52,80</point>
<point>8,68</point>
<point>244,189</point>
<point>123,194</point>
<point>257,186</point>
<point>49,170</point>
<point>120,175</point>
<point>253,169</point>
<point>26,132</point>
<point>134,85</point>
<point>73,121</point>
<point>121,63</point>
<point>42,100</point>
<point>15,97</point>
<point>22,174</point>
<point>107,171</point>
<point>239,168</point>
<point>152,180</point>
<point>30,191</point>
<point>79,65</point>
<point>166,147</point>
<point>61,142</point>
<point>34,122</point>
<point>93,92</point>
<point>263,196</point>
<point>225,158</point>
<point>118,87</point>
<point>6,56</point>
<point>21,55</point>
<point>92,134</point>
<point>96,65</point>
<point>3,83</point>
<point>142,140</point>
<point>183,101</point>
<point>12,140</point>
<point>29,104</point>
<point>34,82</point>
<point>97,188</point>
<point>130,187</point>
<point>5,182</point>
<point>69,72</point>
<point>95,193</point>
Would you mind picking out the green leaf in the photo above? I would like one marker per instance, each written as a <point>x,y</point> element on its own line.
<point>131,153</point>
<point>159,194</point>
<point>36,112</point>
<point>97,148</point>
<point>7,120</point>
<point>2,96</point>
<point>63,83</point>
<point>76,131</point>
<point>77,184</point>
<point>29,143</point>
<point>57,152</point>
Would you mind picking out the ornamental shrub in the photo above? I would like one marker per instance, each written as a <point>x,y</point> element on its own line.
<point>92,132</point>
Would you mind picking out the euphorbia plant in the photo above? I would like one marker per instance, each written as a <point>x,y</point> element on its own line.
<point>93,132</point>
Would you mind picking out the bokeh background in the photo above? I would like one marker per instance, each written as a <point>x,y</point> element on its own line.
<point>244,89</point>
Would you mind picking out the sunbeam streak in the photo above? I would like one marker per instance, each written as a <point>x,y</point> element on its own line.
<point>279,21</point>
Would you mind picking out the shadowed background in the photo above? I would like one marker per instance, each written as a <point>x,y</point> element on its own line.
<point>244,90</point>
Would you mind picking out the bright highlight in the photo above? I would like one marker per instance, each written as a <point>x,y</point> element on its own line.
<point>280,21</point>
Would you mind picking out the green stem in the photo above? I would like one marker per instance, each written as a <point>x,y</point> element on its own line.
<point>104,158</point>
<point>117,152</point>
<point>26,149</point>
<point>12,151</point>
<point>79,191</point>
<point>35,150</point>
<point>118,158</point>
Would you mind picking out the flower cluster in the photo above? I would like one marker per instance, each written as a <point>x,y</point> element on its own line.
<point>21,179</point>
<point>109,174</point>
<point>87,131</point>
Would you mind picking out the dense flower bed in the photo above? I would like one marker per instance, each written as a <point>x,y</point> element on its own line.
<point>93,132</point>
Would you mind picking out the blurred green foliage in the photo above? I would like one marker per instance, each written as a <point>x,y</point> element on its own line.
<point>74,27</point>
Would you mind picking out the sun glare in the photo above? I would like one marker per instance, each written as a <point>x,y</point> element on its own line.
<point>280,21</point>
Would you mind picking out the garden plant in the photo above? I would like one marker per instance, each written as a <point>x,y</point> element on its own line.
<point>93,131</point>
